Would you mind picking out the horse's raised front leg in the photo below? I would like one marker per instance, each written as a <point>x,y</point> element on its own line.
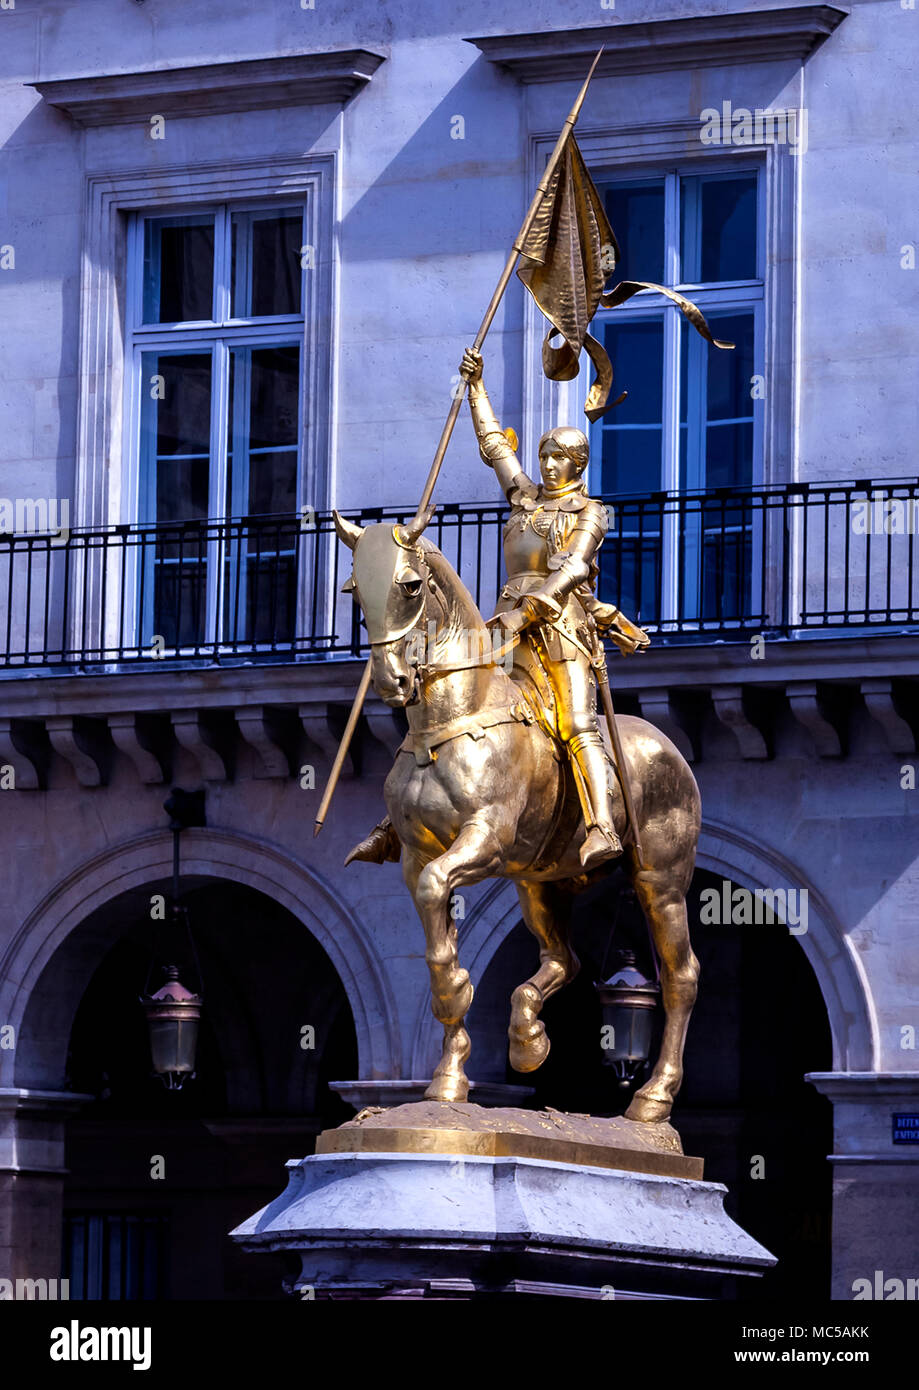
<point>547,913</point>
<point>664,905</point>
<point>474,854</point>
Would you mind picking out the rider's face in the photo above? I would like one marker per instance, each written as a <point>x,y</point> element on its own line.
<point>557,469</point>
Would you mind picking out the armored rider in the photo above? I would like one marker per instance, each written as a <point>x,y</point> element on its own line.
<point>551,542</point>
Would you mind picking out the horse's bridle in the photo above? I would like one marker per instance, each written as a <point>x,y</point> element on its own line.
<point>426,670</point>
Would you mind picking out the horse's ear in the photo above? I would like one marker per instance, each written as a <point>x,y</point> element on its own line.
<point>347,530</point>
<point>408,535</point>
<point>348,586</point>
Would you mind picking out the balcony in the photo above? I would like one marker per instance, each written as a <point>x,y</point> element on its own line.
<point>217,637</point>
<point>718,566</point>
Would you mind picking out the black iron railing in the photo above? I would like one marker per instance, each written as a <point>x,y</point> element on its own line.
<point>704,566</point>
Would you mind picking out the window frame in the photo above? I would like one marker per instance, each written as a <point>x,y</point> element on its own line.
<point>219,334</point>
<point>711,297</point>
<point>216,338</point>
<point>105,496</point>
<point>650,149</point>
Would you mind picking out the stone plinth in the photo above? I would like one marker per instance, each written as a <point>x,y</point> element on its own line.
<point>380,1213</point>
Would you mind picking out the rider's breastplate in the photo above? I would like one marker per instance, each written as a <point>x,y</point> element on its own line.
<point>525,550</point>
<point>532,535</point>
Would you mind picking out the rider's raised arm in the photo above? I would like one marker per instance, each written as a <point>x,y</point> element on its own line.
<point>494,447</point>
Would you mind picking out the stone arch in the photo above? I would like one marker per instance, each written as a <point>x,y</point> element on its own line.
<point>218,854</point>
<point>726,851</point>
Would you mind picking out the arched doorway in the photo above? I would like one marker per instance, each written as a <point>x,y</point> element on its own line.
<point>155,1179</point>
<point>759,1025</point>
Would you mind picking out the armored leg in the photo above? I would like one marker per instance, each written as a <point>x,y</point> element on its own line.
<point>589,758</point>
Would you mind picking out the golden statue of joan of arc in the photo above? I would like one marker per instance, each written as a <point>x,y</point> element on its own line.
<point>551,541</point>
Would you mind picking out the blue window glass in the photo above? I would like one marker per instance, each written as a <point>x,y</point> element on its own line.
<point>175,438</point>
<point>631,434</point>
<point>717,228</point>
<point>178,281</point>
<point>685,565</point>
<point>266,272</point>
<point>636,215</point>
<point>219,415</point>
<point>261,568</point>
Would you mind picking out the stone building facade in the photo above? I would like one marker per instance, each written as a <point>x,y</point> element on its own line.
<point>169,582</point>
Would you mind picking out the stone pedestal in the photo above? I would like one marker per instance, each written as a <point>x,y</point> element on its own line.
<point>436,1203</point>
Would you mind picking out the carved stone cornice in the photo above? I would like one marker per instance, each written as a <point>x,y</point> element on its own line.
<point>292,713</point>
<point>295,79</point>
<point>665,45</point>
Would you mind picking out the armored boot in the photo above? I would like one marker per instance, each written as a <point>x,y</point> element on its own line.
<point>590,765</point>
<point>381,844</point>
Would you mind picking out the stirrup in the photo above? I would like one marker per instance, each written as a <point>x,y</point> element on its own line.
<point>599,846</point>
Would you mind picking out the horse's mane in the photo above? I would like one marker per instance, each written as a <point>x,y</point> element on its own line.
<point>464,614</point>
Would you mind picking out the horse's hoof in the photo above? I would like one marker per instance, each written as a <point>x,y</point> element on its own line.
<point>648,1110</point>
<point>530,1053</point>
<point>448,1088</point>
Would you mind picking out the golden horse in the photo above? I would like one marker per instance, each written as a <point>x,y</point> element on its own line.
<point>480,790</point>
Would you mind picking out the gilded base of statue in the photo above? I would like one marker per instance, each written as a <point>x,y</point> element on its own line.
<point>438,1127</point>
<point>456,1201</point>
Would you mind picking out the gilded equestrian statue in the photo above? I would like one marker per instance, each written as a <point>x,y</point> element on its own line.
<point>507,774</point>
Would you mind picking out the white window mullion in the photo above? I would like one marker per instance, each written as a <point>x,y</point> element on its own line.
<point>670,440</point>
<point>217,487</point>
<point>670,465</point>
<point>222,263</point>
<point>238,498</point>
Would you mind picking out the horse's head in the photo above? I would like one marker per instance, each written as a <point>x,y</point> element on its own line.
<point>391,581</point>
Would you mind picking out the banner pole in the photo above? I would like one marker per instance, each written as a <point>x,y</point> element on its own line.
<point>453,413</point>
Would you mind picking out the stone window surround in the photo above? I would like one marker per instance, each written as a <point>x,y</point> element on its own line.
<point>103,481</point>
<point>100,475</point>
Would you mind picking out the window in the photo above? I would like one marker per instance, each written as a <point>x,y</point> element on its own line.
<point>216,333</point>
<point>692,418</point>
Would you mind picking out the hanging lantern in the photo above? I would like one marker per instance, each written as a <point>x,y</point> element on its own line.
<point>173,1013</point>
<point>629,1001</point>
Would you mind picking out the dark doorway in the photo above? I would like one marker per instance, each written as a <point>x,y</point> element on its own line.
<point>158,1178</point>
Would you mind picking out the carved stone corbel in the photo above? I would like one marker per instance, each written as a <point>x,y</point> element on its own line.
<point>809,710</point>
<point>260,729</point>
<point>132,736</point>
<point>381,722</point>
<point>22,755</point>
<point>79,742</point>
<point>878,696</point>
<point>316,726</point>
<point>729,707</point>
<point>195,735</point>
<point>657,707</point>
